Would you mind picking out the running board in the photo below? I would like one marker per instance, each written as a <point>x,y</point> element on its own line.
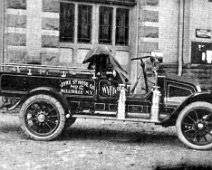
<point>130,119</point>
<point>144,115</point>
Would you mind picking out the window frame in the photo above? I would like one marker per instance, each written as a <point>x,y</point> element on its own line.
<point>197,50</point>
<point>178,87</point>
<point>62,39</point>
<point>95,26</point>
<point>79,24</point>
<point>116,41</point>
<point>99,26</point>
<point>176,100</point>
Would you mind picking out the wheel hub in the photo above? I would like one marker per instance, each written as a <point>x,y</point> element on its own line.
<point>200,126</point>
<point>41,117</point>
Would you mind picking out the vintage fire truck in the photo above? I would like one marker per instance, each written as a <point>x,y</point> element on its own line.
<point>53,97</point>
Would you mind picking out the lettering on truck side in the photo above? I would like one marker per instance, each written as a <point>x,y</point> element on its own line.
<point>78,87</point>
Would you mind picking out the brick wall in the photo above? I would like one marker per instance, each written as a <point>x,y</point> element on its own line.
<point>201,73</point>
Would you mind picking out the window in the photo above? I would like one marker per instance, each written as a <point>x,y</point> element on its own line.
<point>105,25</point>
<point>178,91</point>
<point>77,24</point>
<point>84,23</point>
<point>201,53</point>
<point>122,26</point>
<point>67,22</point>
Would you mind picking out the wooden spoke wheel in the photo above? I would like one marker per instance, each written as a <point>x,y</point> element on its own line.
<point>194,125</point>
<point>42,117</point>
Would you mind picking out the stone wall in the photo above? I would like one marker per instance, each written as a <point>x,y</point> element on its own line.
<point>32,32</point>
<point>15,32</point>
<point>16,4</point>
<point>148,30</point>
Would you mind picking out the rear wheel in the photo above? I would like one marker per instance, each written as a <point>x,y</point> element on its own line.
<point>42,117</point>
<point>194,125</point>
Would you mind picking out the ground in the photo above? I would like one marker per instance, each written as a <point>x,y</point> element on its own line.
<point>98,145</point>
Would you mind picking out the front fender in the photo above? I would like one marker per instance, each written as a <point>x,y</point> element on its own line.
<point>48,91</point>
<point>201,96</point>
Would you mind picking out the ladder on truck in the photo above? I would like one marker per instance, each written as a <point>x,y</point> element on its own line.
<point>30,69</point>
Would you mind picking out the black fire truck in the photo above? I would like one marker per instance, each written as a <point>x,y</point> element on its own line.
<point>53,97</point>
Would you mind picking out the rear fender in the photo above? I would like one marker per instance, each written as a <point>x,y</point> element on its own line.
<point>202,96</point>
<point>48,91</point>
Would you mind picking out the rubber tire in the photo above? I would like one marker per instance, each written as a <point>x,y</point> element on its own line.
<point>183,113</point>
<point>69,122</point>
<point>50,100</point>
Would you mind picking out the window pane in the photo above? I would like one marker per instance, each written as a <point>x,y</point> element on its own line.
<point>66,22</point>
<point>178,91</point>
<point>201,53</point>
<point>122,26</point>
<point>84,23</point>
<point>105,25</point>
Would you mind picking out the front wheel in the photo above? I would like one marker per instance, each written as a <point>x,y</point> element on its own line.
<point>42,117</point>
<point>194,125</point>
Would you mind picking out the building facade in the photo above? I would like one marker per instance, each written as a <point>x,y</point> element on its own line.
<point>61,32</point>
